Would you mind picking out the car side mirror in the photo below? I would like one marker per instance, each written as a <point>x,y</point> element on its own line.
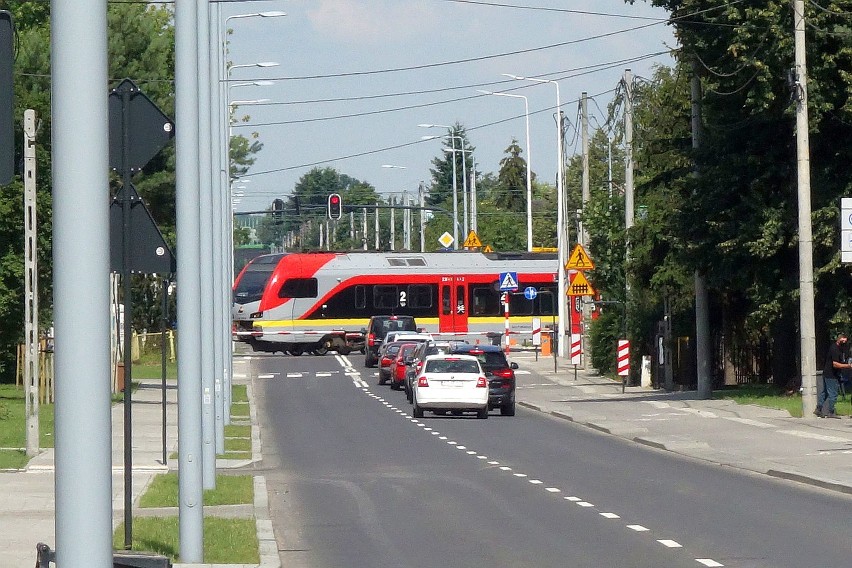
<point>513,365</point>
<point>364,330</point>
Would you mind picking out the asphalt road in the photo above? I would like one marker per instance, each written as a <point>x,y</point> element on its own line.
<point>355,481</point>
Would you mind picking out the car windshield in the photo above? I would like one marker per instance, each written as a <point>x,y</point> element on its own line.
<point>491,360</point>
<point>452,366</point>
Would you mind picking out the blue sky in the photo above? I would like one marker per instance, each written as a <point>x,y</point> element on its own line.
<point>355,78</point>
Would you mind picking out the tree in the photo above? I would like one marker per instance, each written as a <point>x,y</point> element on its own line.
<point>441,190</point>
<point>511,191</point>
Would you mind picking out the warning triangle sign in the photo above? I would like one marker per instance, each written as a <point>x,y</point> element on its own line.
<point>579,260</point>
<point>488,249</point>
<point>472,241</point>
<point>580,286</point>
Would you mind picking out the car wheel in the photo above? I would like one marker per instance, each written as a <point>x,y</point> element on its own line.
<point>344,351</point>
<point>321,349</point>
<point>482,413</point>
<point>417,412</point>
<point>508,409</point>
<point>369,361</point>
<point>382,380</point>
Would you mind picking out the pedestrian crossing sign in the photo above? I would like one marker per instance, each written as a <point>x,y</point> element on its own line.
<point>579,260</point>
<point>472,241</point>
<point>580,286</point>
<point>508,281</point>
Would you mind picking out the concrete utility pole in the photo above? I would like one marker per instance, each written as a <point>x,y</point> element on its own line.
<point>378,239</point>
<point>187,195</point>
<point>392,223</point>
<point>627,81</point>
<point>81,269</point>
<point>807,326</point>
<point>702,303</point>
<point>584,122</point>
<point>31,336</point>
<point>422,218</point>
<point>365,228</point>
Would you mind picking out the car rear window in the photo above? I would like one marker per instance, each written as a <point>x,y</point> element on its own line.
<point>452,366</point>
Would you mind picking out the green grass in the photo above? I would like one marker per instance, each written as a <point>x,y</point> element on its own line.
<point>237,431</point>
<point>13,425</point>
<point>239,393</point>
<point>769,397</point>
<point>230,490</point>
<point>240,410</point>
<point>226,541</point>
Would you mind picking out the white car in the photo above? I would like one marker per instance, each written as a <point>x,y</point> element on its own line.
<point>407,336</point>
<point>453,383</point>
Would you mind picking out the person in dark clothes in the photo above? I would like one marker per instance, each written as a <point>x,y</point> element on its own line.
<point>835,362</point>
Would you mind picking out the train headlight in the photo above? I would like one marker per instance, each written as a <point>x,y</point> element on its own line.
<point>256,315</point>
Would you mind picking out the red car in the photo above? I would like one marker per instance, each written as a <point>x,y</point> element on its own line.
<point>398,366</point>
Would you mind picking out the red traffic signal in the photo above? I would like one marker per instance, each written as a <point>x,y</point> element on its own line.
<point>335,206</point>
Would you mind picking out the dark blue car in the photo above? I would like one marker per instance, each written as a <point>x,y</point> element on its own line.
<point>499,372</point>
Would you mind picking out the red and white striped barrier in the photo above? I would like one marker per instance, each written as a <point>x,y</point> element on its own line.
<point>623,357</point>
<point>576,348</point>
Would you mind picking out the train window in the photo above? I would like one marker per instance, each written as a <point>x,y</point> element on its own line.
<point>418,261</point>
<point>360,296</point>
<point>420,296</point>
<point>298,288</point>
<point>385,296</point>
<point>545,301</point>
<point>519,305</point>
<point>484,301</point>
<point>446,304</point>
<point>396,261</point>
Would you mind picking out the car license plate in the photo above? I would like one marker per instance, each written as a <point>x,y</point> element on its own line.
<point>451,383</point>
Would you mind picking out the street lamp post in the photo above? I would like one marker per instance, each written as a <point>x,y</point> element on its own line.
<point>561,240</point>
<point>528,160</point>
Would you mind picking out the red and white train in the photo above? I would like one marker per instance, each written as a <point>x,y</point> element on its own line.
<point>298,302</point>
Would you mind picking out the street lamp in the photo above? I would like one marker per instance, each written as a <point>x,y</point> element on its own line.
<point>561,243</point>
<point>529,159</point>
<point>453,139</point>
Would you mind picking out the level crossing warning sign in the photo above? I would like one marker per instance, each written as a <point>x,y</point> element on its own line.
<point>580,286</point>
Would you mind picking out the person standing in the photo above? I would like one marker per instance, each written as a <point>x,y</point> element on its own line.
<point>835,361</point>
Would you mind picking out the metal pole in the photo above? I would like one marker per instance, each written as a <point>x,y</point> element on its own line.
<point>806,268</point>
<point>584,122</point>
<point>392,223</point>
<point>163,330</point>
<point>127,321</point>
<point>81,268</point>
<point>628,186</point>
<point>377,225</point>
<point>422,218</point>
<point>455,199</point>
<point>187,196</point>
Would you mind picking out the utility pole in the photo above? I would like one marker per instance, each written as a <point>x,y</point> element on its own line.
<point>628,186</point>
<point>392,223</point>
<point>365,229</point>
<point>702,307</point>
<point>584,122</point>
<point>377,226</point>
<point>422,218</point>
<point>31,344</point>
<point>806,266</point>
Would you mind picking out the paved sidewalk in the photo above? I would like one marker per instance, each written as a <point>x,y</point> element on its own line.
<point>766,441</point>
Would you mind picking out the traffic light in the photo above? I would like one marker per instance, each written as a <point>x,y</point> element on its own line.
<point>335,206</point>
<point>277,210</point>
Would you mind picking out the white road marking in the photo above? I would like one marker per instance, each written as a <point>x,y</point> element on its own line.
<point>482,457</point>
<point>323,374</point>
<point>493,463</point>
<point>670,543</point>
<point>637,528</point>
<point>572,498</point>
<point>535,481</point>
<point>520,474</point>
<point>461,447</point>
<point>553,489</point>
<point>470,452</point>
<point>610,516</point>
<point>294,375</point>
<point>708,562</point>
<point>584,504</point>
<point>822,437</point>
<point>266,376</point>
<point>505,468</point>
<point>442,437</point>
<point>749,422</point>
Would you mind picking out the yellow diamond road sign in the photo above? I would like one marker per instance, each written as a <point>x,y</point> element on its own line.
<point>580,286</point>
<point>446,240</point>
<point>580,260</point>
<point>472,241</point>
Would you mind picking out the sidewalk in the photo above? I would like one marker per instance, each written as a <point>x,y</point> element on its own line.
<point>27,508</point>
<point>808,450</point>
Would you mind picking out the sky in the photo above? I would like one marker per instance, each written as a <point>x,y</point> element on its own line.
<point>355,78</point>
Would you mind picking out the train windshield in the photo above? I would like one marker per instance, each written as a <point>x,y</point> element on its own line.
<point>251,284</point>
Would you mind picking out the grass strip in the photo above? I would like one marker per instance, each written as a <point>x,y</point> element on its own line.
<point>226,541</point>
<point>230,490</point>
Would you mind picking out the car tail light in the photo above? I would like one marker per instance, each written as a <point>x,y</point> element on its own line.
<point>422,382</point>
<point>476,352</point>
<point>371,339</point>
<point>481,382</point>
<point>504,373</point>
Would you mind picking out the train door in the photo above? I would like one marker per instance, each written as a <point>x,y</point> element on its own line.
<point>452,315</point>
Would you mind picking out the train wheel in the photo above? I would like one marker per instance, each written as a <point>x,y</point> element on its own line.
<point>296,350</point>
